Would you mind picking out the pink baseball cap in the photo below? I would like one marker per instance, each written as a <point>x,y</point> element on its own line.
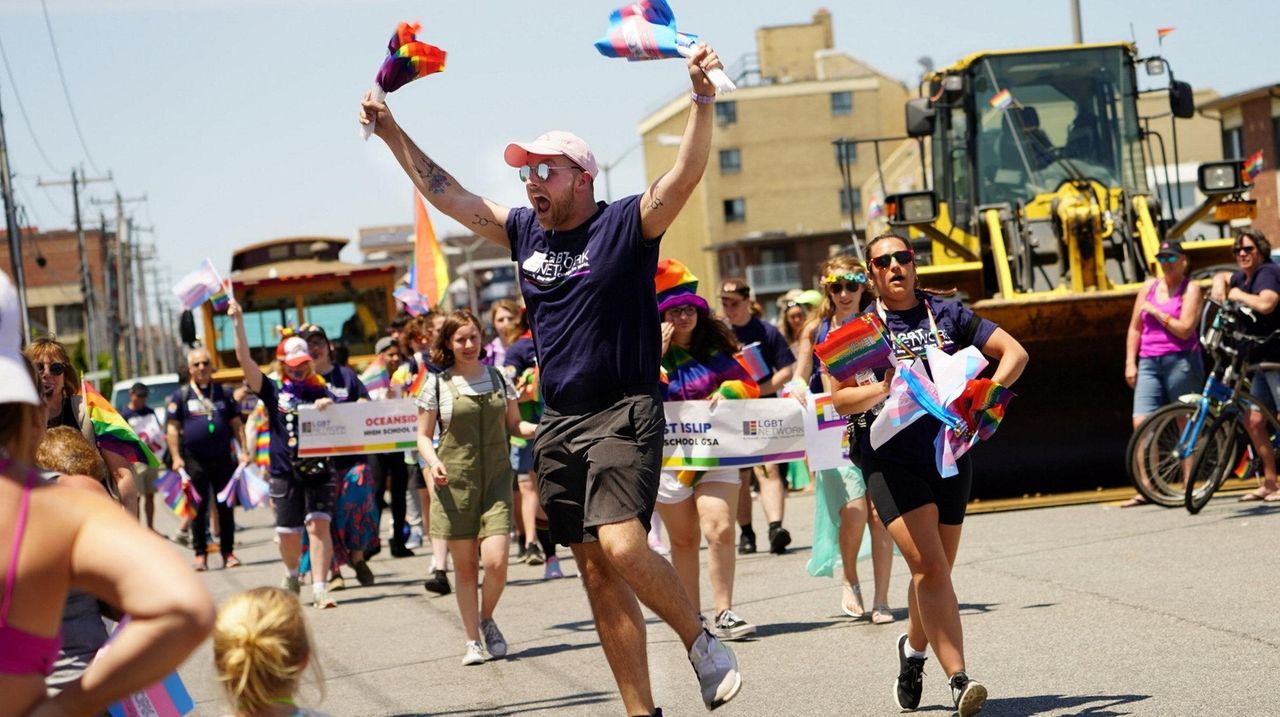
<point>293,351</point>
<point>551,144</point>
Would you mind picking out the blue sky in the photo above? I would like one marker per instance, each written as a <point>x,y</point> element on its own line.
<point>237,117</point>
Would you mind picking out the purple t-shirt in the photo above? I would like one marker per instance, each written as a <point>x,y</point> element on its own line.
<point>777,354</point>
<point>1266,278</point>
<point>958,327</point>
<point>591,304</point>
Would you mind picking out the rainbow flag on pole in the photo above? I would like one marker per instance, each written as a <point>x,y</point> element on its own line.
<point>112,431</point>
<point>1001,100</point>
<point>1252,166</point>
<point>429,273</point>
<point>221,298</point>
<point>375,376</point>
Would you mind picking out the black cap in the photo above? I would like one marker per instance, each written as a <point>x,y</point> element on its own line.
<point>306,331</point>
<point>139,389</point>
<point>1170,246</point>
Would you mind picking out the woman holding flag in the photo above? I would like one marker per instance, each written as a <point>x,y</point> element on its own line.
<point>65,405</point>
<point>923,510</point>
<point>843,489</point>
<point>699,364</point>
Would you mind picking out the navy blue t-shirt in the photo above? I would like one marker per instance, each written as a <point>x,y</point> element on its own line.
<point>958,327</point>
<point>591,303</point>
<point>282,418</point>
<point>1266,278</point>
<point>777,354</point>
<point>196,416</point>
<point>521,355</point>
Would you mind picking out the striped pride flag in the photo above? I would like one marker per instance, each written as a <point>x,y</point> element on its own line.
<point>112,432</point>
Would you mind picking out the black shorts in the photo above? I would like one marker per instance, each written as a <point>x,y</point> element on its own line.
<point>417,481</point>
<point>899,487</point>
<point>599,467</point>
<point>299,499</point>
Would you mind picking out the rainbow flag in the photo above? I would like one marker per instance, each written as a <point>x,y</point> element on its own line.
<point>221,299</point>
<point>375,376</point>
<point>689,379</point>
<point>1001,100</point>
<point>415,384</point>
<point>112,431</point>
<point>258,434</point>
<point>429,273</point>
<point>859,345</point>
<point>178,493</point>
<point>408,58</point>
<point>1252,166</point>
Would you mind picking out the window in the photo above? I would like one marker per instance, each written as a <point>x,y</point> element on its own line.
<point>850,152</point>
<point>730,161</point>
<point>726,112</point>
<point>841,103</point>
<point>68,319</point>
<point>845,204</point>
<point>1233,143</point>
<point>735,210</point>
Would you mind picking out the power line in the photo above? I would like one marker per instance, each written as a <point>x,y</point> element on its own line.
<point>23,110</point>
<point>57,61</point>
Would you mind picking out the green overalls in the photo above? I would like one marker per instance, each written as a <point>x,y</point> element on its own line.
<point>475,451</point>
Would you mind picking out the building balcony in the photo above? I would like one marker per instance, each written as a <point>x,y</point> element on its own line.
<point>773,278</point>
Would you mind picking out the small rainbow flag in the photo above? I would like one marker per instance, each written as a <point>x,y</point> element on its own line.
<point>258,434</point>
<point>221,298</point>
<point>415,384</point>
<point>859,345</point>
<point>753,358</point>
<point>113,432</point>
<point>1001,100</point>
<point>375,376</point>
<point>1252,166</point>
<point>178,493</point>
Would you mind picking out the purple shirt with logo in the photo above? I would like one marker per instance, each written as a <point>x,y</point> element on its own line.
<point>591,303</point>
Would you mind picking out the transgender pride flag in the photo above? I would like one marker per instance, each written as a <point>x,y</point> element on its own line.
<point>167,698</point>
<point>199,286</point>
<point>646,30</point>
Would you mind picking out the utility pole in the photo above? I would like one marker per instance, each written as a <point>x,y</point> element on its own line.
<point>139,256</point>
<point>113,276</point>
<point>124,328</point>
<point>86,281</point>
<point>166,334</point>
<point>1077,31</point>
<point>15,238</point>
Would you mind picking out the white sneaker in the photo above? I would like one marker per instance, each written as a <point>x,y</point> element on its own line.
<point>414,540</point>
<point>729,626</point>
<point>494,642</point>
<point>322,600</point>
<point>717,670</point>
<point>474,655</point>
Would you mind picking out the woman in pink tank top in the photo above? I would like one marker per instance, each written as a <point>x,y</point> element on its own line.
<point>1162,353</point>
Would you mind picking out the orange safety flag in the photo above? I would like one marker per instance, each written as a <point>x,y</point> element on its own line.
<point>1162,32</point>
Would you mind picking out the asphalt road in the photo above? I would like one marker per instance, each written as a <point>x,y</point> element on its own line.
<point>1083,610</point>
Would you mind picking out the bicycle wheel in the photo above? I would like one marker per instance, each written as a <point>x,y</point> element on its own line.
<point>1155,466</point>
<point>1216,456</point>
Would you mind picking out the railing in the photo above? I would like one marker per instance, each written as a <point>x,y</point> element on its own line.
<point>773,278</point>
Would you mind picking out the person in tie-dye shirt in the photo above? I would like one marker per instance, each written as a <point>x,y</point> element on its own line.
<point>699,363</point>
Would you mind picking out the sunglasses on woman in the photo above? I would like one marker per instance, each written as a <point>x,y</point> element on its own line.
<point>902,256</point>
<point>53,368</point>
<point>1244,249</point>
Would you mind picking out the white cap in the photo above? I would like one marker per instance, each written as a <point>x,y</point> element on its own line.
<point>18,388</point>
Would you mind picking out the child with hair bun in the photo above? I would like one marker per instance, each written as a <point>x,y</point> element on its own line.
<point>261,647</point>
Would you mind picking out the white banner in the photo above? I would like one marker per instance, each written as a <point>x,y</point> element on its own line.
<point>358,428</point>
<point>825,440</point>
<point>739,434</point>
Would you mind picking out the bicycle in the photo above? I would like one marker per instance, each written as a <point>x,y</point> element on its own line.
<point>1160,453</point>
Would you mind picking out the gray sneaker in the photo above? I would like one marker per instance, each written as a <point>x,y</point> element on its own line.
<point>717,670</point>
<point>291,584</point>
<point>729,626</point>
<point>494,642</point>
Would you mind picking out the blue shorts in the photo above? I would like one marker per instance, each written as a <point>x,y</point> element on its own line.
<point>1162,379</point>
<point>522,460</point>
<point>1266,388</point>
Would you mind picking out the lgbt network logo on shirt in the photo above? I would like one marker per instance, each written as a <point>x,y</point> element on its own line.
<point>551,269</point>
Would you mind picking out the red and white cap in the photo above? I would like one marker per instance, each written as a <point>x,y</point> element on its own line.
<point>555,143</point>
<point>293,351</point>
<point>18,388</point>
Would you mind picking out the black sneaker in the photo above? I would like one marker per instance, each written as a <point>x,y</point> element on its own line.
<point>747,543</point>
<point>399,551</point>
<point>363,573</point>
<point>969,695</point>
<point>522,554</point>
<point>533,555</point>
<point>438,583</point>
<point>910,682</point>
<point>779,539</point>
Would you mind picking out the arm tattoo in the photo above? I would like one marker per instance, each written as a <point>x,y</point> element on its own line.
<point>657,202</point>
<point>436,178</point>
<point>483,221</point>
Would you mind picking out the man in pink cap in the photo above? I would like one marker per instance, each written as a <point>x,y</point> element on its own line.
<point>586,271</point>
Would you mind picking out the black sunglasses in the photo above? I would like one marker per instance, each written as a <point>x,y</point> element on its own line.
<point>54,368</point>
<point>902,256</point>
<point>1244,249</point>
<point>837,287</point>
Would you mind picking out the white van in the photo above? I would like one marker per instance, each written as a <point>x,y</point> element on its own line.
<point>159,388</point>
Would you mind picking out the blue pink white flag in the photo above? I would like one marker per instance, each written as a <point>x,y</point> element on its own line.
<point>166,698</point>
<point>246,487</point>
<point>646,30</point>
<point>199,286</point>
